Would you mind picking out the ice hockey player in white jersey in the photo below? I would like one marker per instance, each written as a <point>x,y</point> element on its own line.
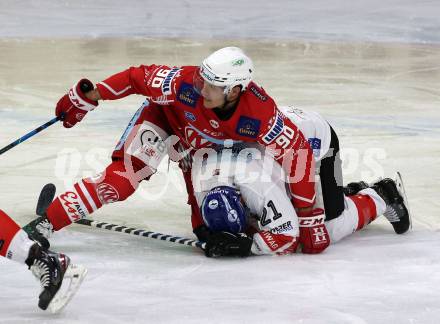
<point>246,206</point>
<point>59,278</point>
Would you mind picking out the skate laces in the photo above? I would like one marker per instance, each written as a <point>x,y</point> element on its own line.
<point>41,271</point>
<point>45,228</point>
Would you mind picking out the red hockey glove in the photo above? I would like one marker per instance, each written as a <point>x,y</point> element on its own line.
<point>75,105</point>
<point>314,237</point>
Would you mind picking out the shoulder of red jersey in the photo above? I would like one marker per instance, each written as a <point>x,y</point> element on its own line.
<point>257,110</point>
<point>261,120</point>
<point>164,82</point>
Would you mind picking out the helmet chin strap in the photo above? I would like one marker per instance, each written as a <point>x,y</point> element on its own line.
<point>227,102</point>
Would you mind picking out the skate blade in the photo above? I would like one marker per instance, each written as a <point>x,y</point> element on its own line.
<point>401,189</point>
<point>72,280</point>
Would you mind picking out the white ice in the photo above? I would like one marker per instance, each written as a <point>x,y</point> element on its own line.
<point>371,67</point>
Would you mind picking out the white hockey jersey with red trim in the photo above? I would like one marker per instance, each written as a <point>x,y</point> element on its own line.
<point>273,220</point>
<point>314,127</point>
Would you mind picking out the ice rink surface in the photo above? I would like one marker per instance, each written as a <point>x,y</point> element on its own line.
<point>371,68</point>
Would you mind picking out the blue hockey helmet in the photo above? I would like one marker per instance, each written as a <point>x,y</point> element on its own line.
<point>222,210</point>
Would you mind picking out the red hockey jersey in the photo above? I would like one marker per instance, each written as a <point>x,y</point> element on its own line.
<point>256,119</point>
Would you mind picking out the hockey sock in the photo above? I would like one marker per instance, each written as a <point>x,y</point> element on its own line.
<point>196,216</point>
<point>369,205</point>
<point>14,242</point>
<point>90,194</point>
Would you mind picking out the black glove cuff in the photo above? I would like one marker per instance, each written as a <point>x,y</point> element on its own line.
<point>202,232</point>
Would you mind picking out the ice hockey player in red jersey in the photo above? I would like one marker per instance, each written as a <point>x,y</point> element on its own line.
<point>187,108</point>
<point>59,278</point>
<point>246,208</point>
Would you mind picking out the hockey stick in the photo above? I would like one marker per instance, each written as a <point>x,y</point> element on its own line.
<point>29,135</point>
<point>141,232</point>
<point>48,193</point>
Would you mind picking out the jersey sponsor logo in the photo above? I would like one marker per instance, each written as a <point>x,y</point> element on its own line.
<point>151,139</point>
<point>285,227</point>
<point>10,255</point>
<point>194,139</point>
<point>187,95</point>
<point>315,145</point>
<point>270,240</point>
<point>190,116</point>
<point>233,216</point>
<point>71,205</point>
<point>214,123</point>
<point>257,93</point>
<point>191,132</point>
<point>213,133</point>
<point>166,85</point>
<point>275,130</point>
<point>248,127</point>
<point>107,193</point>
<point>213,204</point>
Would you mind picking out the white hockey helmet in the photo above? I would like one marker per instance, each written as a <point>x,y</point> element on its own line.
<point>227,67</point>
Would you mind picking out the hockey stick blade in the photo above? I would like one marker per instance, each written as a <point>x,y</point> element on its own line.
<point>46,196</point>
<point>141,232</point>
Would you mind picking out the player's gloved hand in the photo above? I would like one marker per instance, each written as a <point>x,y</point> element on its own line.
<point>228,244</point>
<point>75,105</point>
<point>202,232</point>
<point>314,237</point>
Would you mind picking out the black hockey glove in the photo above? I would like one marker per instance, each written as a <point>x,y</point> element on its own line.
<point>202,232</point>
<point>228,244</point>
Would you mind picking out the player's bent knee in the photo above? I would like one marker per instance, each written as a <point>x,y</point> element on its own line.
<point>116,184</point>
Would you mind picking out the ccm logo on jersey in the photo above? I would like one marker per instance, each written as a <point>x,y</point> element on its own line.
<point>282,134</point>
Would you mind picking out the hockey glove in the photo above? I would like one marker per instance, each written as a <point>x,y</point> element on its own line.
<point>228,244</point>
<point>314,237</point>
<point>73,106</point>
<point>202,232</point>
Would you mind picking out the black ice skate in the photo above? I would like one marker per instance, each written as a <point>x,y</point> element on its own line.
<point>397,211</point>
<point>59,278</point>
<point>354,187</point>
